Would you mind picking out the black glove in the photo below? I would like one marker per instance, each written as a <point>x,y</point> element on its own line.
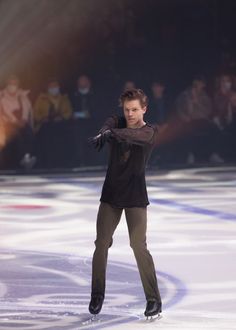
<point>99,140</point>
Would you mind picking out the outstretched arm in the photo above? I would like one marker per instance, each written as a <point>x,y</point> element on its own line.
<point>111,122</point>
<point>104,133</point>
<point>110,130</point>
<point>139,136</point>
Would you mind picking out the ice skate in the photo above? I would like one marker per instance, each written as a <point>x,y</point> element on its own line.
<point>95,305</point>
<point>153,310</point>
<point>93,319</point>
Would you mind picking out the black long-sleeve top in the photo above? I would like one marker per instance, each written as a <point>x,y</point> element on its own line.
<point>130,148</point>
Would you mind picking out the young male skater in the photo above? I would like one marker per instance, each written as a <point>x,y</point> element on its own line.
<point>131,141</point>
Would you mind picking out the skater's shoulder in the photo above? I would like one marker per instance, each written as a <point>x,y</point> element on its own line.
<point>152,126</point>
<point>119,120</point>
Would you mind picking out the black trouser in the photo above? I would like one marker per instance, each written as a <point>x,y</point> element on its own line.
<point>107,221</point>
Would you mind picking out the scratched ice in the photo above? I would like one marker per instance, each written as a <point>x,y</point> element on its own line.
<point>46,247</point>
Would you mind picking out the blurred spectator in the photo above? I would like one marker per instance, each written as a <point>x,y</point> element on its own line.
<point>222,118</point>
<point>158,113</point>
<point>222,101</point>
<point>85,116</point>
<point>52,111</point>
<point>83,99</point>
<point>194,108</point>
<point>52,106</point>
<point>158,108</point>
<point>232,127</point>
<point>16,118</point>
<point>129,84</point>
<point>224,134</point>
<point>194,103</point>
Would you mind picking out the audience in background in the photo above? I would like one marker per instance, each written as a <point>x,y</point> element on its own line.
<point>52,106</point>
<point>129,84</point>
<point>158,113</point>
<point>222,96</point>
<point>17,122</point>
<point>231,129</point>
<point>85,114</point>
<point>52,110</point>
<point>194,108</point>
<point>223,118</point>
<point>83,99</point>
<point>200,128</point>
<point>158,108</point>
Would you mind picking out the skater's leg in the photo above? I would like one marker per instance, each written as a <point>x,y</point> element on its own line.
<point>107,220</point>
<point>137,225</point>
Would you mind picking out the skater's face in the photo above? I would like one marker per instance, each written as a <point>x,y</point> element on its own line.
<point>134,112</point>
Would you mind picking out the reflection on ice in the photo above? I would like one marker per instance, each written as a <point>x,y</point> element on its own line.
<point>46,246</point>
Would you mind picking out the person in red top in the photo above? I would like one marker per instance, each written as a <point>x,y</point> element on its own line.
<point>131,141</point>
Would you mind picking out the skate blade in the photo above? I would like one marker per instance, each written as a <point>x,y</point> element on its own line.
<point>93,319</point>
<point>153,318</point>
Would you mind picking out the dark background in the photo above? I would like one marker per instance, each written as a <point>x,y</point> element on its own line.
<point>116,40</point>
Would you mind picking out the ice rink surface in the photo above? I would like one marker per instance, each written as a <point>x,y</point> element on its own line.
<point>47,230</point>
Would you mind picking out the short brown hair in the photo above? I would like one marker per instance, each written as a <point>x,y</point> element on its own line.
<point>134,94</point>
